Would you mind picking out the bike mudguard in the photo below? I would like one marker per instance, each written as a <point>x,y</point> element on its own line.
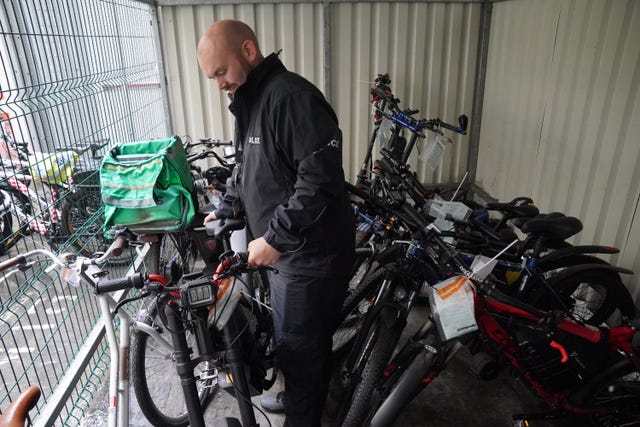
<point>629,307</point>
<point>410,383</point>
<point>588,266</point>
<point>578,250</point>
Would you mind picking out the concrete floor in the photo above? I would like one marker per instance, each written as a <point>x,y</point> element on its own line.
<point>455,398</point>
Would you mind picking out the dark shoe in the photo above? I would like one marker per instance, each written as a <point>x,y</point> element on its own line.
<point>273,402</point>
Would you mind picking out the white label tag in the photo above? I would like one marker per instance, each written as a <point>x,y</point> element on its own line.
<point>69,275</point>
<point>384,131</point>
<point>482,266</point>
<point>433,151</point>
<point>452,307</point>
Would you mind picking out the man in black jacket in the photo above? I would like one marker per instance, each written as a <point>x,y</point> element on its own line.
<point>290,184</point>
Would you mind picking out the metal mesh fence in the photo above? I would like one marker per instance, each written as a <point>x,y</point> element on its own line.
<point>76,78</point>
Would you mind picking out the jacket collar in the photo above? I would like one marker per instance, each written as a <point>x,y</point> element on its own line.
<point>270,65</point>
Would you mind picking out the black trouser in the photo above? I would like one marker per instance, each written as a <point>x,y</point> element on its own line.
<point>306,311</point>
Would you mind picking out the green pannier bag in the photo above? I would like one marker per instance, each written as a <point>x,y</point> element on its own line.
<point>147,187</point>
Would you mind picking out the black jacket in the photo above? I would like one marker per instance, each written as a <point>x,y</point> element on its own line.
<point>291,181</point>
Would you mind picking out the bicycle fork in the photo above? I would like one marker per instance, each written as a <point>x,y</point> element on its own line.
<point>119,367</point>
<point>236,366</point>
<point>118,404</point>
<point>184,366</point>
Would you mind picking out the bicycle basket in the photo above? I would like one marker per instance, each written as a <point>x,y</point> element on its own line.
<point>147,187</point>
<point>53,168</point>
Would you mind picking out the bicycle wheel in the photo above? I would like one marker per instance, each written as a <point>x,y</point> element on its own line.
<point>82,222</point>
<point>592,296</point>
<point>617,398</point>
<point>355,308</point>
<point>156,383</point>
<point>382,340</point>
<point>172,256</point>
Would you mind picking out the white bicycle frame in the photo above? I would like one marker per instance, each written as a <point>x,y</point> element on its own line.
<point>85,270</point>
<point>119,368</point>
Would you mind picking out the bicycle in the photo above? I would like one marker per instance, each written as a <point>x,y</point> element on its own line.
<point>231,330</point>
<point>390,291</point>
<point>76,269</point>
<point>66,207</point>
<point>579,370</point>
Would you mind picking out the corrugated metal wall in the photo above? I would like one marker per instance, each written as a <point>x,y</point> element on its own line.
<point>429,49</point>
<point>560,99</point>
<point>561,115</point>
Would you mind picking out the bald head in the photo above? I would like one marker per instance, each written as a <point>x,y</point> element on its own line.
<point>227,34</point>
<point>227,52</point>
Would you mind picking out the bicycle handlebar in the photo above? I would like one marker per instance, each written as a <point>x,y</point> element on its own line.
<point>62,260</point>
<point>237,263</point>
<point>80,149</point>
<point>111,285</point>
<point>216,142</point>
<point>13,262</point>
<point>118,245</point>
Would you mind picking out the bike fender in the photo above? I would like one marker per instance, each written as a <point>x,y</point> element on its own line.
<point>585,267</point>
<point>408,385</point>
<point>579,250</point>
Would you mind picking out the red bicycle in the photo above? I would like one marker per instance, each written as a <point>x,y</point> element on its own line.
<point>591,373</point>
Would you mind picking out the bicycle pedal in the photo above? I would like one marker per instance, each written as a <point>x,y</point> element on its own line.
<point>225,380</point>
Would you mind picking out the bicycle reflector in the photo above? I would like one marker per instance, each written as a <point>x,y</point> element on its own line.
<point>199,294</point>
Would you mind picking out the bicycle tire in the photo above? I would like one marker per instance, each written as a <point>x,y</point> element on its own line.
<point>6,230</point>
<point>155,381</point>
<point>592,295</point>
<point>354,309</point>
<point>172,256</point>
<point>82,224</point>
<point>618,394</point>
<point>386,336</point>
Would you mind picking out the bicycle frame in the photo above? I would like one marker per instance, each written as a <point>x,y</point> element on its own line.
<point>425,359</point>
<point>118,403</point>
<point>16,183</point>
<point>617,339</point>
<point>87,270</point>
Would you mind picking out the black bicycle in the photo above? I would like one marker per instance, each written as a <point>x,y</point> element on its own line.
<point>226,317</point>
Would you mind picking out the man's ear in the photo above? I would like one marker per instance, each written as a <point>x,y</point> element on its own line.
<point>249,51</point>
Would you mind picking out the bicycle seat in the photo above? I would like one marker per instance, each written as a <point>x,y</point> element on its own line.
<point>560,227</point>
<point>511,211</point>
<point>16,413</point>
<point>220,226</point>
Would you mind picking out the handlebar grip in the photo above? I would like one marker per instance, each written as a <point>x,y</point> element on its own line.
<point>463,122</point>
<point>12,262</point>
<point>136,281</point>
<point>118,245</point>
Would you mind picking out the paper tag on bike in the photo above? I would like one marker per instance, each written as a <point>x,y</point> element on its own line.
<point>482,266</point>
<point>452,307</point>
<point>69,275</point>
<point>384,131</point>
<point>433,151</point>
<point>443,209</point>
